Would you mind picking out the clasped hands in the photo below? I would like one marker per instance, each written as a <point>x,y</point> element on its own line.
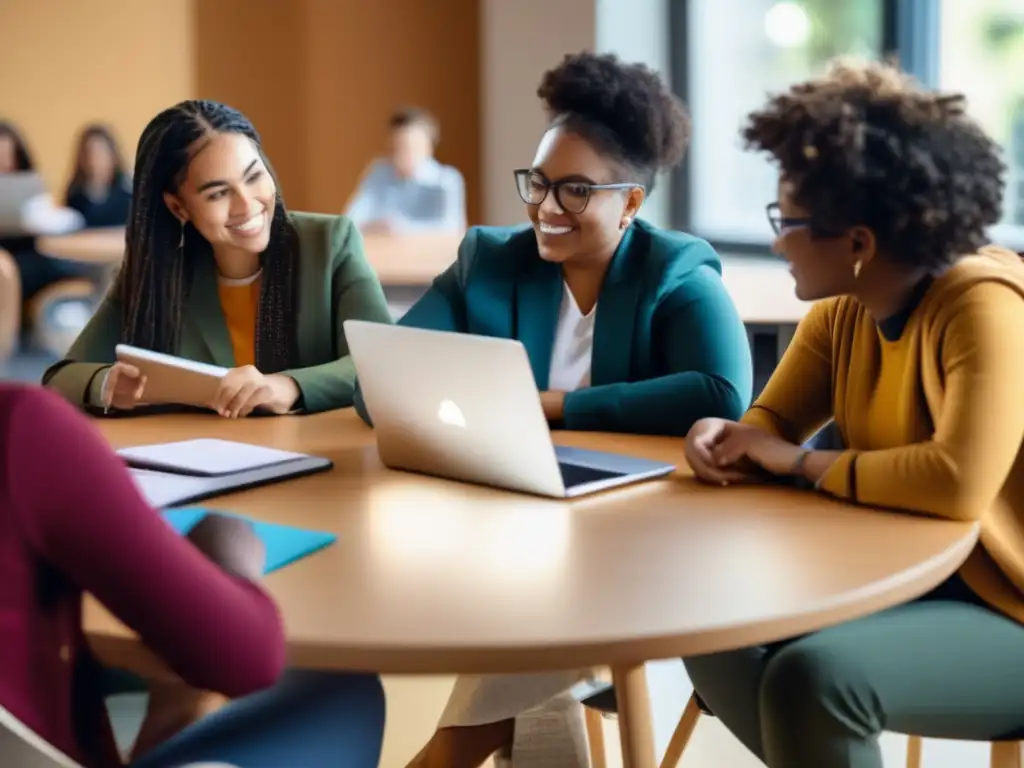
<point>241,391</point>
<point>723,452</point>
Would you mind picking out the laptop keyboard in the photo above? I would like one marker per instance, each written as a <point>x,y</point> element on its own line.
<point>574,474</point>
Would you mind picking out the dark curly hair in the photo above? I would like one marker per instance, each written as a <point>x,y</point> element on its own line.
<point>625,110</point>
<point>866,145</point>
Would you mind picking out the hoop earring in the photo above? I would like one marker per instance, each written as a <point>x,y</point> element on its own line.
<point>856,268</point>
<point>181,241</point>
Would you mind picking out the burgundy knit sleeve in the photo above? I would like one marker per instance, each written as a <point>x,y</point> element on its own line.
<point>80,512</point>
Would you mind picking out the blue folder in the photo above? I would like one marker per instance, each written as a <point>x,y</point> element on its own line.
<point>284,543</point>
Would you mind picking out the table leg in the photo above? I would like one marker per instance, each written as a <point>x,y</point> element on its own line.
<point>636,732</point>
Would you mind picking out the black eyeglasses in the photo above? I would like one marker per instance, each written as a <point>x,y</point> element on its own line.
<point>571,196</point>
<point>781,223</point>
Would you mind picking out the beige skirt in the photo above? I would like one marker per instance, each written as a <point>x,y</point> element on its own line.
<point>550,731</point>
<point>480,699</point>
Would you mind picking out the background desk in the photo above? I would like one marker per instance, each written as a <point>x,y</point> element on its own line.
<point>410,262</point>
<point>764,293</point>
<point>761,287</point>
<point>94,246</point>
<point>431,576</point>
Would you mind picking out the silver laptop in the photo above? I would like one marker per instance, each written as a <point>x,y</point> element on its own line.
<point>466,407</point>
<point>16,189</point>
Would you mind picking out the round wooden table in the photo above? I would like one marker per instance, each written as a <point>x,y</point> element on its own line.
<point>437,577</point>
<point>92,246</point>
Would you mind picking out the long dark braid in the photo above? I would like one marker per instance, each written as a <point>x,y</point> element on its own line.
<point>156,277</point>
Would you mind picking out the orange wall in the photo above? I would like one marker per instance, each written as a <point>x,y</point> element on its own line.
<point>249,54</point>
<point>366,59</point>
<point>320,78</point>
<point>68,62</point>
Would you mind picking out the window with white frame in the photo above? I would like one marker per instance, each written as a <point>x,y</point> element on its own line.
<point>981,54</point>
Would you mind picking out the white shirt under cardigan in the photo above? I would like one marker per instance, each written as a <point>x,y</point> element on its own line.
<point>573,349</point>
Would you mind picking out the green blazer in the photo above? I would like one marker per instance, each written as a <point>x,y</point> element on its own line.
<point>335,283</point>
<point>669,345</point>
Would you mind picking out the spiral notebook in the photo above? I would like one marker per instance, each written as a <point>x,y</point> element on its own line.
<point>285,544</point>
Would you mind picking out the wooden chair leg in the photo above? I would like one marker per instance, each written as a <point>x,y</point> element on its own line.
<point>681,735</point>
<point>914,748</point>
<point>56,339</point>
<point>1006,754</point>
<point>595,738</point>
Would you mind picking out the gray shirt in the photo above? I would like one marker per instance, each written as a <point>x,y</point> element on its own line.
<point>433,199</point>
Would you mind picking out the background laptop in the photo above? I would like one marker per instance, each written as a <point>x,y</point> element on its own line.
<point>16,189</point>
<point>466,407</point>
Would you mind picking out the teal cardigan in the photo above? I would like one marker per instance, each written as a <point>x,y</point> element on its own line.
<point>669,345</point>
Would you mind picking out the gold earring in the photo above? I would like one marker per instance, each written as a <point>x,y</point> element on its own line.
<point>856,268</point>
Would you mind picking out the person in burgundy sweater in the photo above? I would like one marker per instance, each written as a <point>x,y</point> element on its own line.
<point>72,521</point>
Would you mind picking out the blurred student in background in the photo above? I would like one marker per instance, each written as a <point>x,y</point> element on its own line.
<point>410,191</point>
<point>37,215</point>
<point>14,153</point>
<point>100,188</point>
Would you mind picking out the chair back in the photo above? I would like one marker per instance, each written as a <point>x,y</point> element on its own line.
<point>21,747</point>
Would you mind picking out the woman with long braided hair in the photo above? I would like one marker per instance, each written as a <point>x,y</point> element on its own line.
<point>216,270</point>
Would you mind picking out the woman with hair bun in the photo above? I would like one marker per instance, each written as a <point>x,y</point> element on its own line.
<point>628,328</point>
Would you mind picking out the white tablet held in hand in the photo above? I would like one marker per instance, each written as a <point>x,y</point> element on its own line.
<point>173,380</point>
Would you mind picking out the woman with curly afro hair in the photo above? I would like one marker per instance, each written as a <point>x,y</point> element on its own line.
<point>628,329</point>
<point>916,351</point>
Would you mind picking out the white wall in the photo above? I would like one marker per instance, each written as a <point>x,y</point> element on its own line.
<point>521,39</point>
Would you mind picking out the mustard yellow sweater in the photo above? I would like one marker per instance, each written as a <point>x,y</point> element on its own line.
<point>930,406</point>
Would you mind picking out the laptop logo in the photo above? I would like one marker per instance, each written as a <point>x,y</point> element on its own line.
<point>449,413</point>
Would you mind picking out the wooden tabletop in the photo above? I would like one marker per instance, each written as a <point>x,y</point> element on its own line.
<point>433,576</point>
<point>95,246</point>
